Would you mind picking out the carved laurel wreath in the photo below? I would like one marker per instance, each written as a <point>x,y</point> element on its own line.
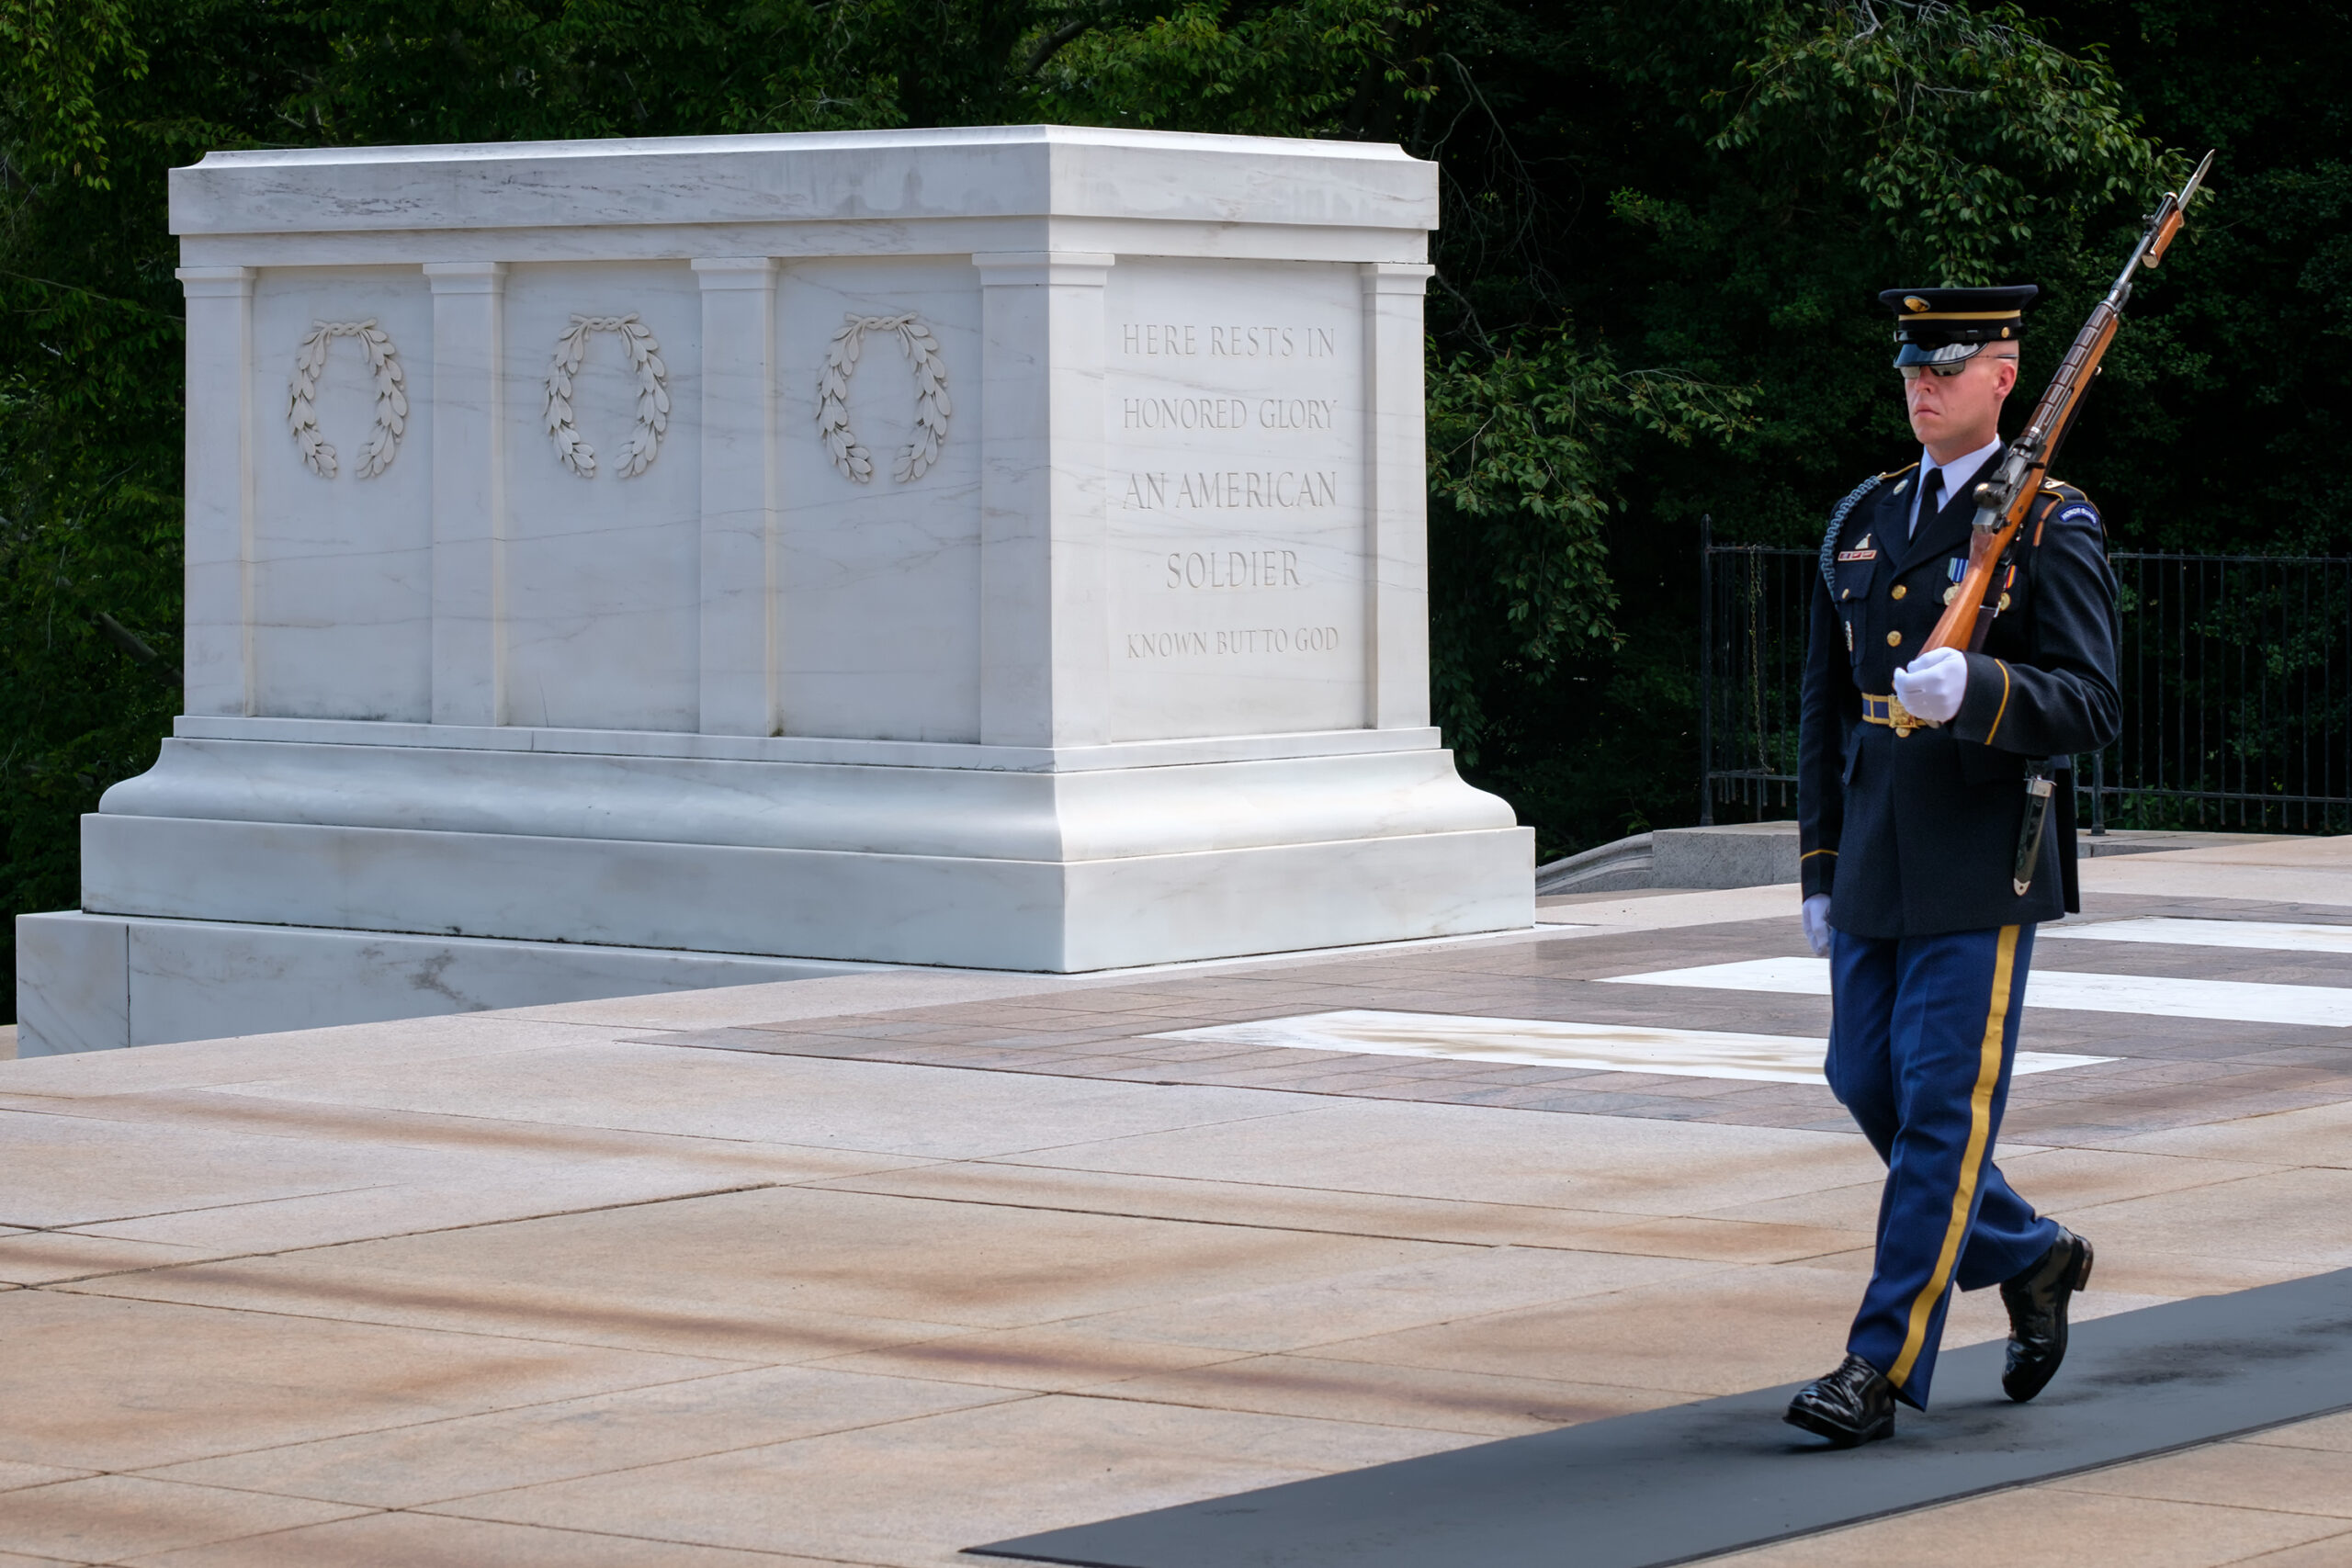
<point>391,397</point>
<point>652,395</point>
<point>849,454</point>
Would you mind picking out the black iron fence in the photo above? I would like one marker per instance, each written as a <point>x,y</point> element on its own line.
<point>2236,677</point>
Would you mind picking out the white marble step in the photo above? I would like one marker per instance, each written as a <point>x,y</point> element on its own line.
<point>2276,936</point>
<point>1602,1047</point>
<point>2157,996</point>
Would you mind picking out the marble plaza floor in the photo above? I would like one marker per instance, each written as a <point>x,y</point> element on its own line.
<point>865,1269</point>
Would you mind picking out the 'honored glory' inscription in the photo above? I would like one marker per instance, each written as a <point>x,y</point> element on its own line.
<point>1228,414</point>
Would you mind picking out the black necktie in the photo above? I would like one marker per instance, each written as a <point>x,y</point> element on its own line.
<point>1931,499</point>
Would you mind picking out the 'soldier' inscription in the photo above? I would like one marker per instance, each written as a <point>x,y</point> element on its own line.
<point>1233,568</point>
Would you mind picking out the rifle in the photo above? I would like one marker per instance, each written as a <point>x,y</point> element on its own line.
<point>2003,500</point>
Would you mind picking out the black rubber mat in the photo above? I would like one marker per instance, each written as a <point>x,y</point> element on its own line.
<point>1687,1482</point>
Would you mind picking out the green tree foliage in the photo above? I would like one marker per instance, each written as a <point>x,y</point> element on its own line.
<point>2226,400</point>
<point>1527,450</point>
<point>1664,227</point>
<point>1717,189</point>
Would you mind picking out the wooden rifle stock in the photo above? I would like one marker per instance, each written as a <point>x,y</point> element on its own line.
<point>2004,499</point>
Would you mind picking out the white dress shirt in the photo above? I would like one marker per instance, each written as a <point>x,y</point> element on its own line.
<point>1957,475</point>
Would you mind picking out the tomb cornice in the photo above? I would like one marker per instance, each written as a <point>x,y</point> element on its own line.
<point>833,177</point>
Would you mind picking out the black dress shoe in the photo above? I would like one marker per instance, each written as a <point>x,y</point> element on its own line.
<point>1851,1406</point>
<point>2037,1304</point>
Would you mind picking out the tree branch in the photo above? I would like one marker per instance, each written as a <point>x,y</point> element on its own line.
<point>1052,43</point>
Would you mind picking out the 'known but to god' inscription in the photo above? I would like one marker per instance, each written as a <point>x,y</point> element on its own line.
<point>1232,640</point>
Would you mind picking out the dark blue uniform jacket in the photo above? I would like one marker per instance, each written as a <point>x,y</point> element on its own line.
<point>1914,835</point>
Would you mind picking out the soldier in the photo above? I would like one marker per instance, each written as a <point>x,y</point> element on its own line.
<point>1914,777</point>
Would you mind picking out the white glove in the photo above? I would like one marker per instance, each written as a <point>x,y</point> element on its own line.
<point>1816,924</point>
<point>1932,684</point>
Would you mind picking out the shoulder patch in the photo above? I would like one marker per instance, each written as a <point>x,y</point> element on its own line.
<point>2067,503</point>
<point>2064,503</point>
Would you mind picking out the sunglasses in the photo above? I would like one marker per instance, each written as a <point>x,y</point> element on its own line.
<point>1911,372</point>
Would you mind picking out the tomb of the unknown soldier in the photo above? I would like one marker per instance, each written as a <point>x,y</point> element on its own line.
<point>806,908</point>
<point>619,566</point>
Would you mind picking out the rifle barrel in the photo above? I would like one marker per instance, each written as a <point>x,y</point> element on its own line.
<point>2004,501</point>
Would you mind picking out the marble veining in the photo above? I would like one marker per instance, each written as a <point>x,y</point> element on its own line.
<point>812,749</point>
<point>1025,171</point>
<point>879,577</point>
<point>337,616</point>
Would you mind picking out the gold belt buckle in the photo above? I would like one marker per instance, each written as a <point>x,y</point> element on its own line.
<point>1900,719</point>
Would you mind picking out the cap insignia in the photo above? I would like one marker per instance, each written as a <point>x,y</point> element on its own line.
<point>1912,302</point>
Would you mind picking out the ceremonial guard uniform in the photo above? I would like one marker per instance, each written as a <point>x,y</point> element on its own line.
<point>1911,829</point>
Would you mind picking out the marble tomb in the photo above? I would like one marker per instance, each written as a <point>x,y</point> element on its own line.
<point>622,565</point>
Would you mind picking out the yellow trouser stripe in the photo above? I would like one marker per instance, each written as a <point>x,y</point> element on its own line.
<point>1980,1133</point>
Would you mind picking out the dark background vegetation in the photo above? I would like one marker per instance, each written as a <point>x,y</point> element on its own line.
<point>1664,225</point>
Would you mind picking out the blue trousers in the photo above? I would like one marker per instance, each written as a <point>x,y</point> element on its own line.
<point>1922,1034</point>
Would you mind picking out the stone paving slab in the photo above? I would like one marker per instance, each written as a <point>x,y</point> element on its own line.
<point>866,1269</point>
<point>2172,1072</point>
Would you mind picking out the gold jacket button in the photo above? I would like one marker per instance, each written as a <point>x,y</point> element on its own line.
<point>1895,639</point>
<point>1900,591</point>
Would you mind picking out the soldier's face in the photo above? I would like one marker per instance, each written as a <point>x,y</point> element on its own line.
<point>1953,416</point>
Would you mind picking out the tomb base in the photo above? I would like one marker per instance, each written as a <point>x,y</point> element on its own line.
<point>283,873</point>
<point>99,982</point>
